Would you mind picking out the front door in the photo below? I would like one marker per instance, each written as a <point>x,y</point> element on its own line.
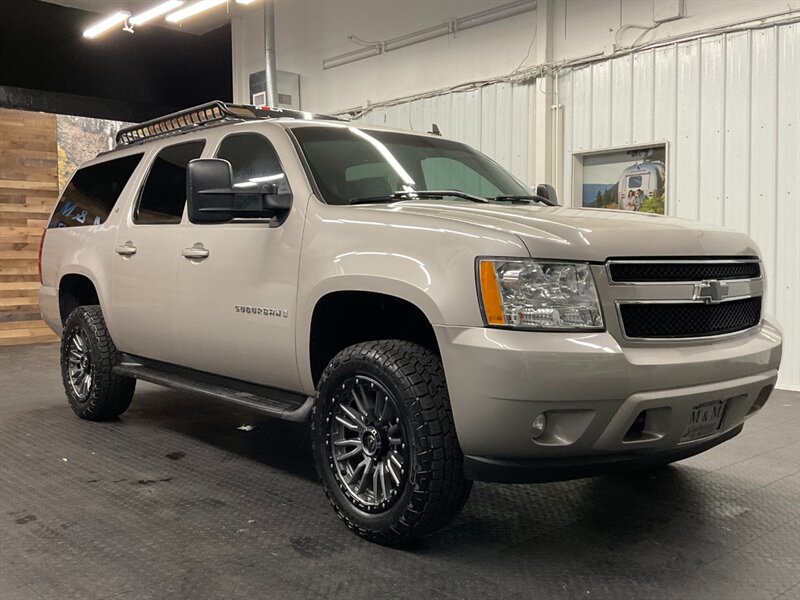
<point>238,280</point>
<point>145,261</point>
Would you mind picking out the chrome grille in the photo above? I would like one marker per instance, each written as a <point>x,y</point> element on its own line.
<point>682,298</point>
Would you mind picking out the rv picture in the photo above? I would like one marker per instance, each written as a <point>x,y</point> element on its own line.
<point>641,187</point>
<point>632,180</point>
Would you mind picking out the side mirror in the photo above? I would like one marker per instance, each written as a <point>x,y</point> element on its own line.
<point>545,190</point>
<point>213,199</point>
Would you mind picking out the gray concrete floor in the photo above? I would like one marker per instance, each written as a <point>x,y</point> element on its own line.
<point>173,500</point>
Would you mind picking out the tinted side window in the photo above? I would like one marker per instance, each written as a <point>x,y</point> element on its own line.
<point>93,192</point>
<point>163,195</point>
<point>253,160</point>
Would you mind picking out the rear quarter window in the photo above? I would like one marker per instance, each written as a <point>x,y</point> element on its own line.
<point>93,191</point>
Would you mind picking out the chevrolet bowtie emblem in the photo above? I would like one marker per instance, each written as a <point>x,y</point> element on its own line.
<point>710,291</point>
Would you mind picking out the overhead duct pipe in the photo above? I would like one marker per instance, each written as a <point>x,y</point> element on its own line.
<point>451,26</point>
<point>271,69</point>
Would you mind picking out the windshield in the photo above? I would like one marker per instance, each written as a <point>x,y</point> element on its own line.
<point>348,163</point>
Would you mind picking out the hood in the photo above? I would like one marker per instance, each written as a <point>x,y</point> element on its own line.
<point>586,233</point>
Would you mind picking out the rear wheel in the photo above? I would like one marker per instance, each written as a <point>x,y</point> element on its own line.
<point>385,445</point>
<point>88,355</point>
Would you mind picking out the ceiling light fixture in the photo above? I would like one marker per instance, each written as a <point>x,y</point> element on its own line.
<point>245,1</point>
<point>193,9</point>
<point>106,24</point>
<point>155,12</point>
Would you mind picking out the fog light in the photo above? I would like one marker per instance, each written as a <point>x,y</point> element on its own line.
<point>538,426</point>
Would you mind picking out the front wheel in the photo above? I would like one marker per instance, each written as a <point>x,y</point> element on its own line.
<point>88,356</point>
<point>385,444</point>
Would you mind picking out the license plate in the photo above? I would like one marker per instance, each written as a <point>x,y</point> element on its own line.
<point>705,419</point>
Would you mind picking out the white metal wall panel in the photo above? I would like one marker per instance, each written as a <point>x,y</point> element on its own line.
<point>737,131</point>
<point>602,101</point>
<point>688,132</point>
<point>763,206</point>
<point>711,186</point>
<point>786,284</point>
<point>622,101</point>
<point>729,108</point>
<point>643,105</point>
<point>581,109</point>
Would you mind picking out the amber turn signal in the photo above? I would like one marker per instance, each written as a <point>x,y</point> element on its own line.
<point>490,293</point>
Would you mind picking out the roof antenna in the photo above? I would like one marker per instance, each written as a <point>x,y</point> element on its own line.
<point>435,130</point>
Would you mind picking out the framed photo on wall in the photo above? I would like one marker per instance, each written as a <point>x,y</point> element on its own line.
<point>632,179</point>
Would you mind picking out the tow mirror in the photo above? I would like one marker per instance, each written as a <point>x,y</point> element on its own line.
<point>212,198</point>
<point>545,190</point>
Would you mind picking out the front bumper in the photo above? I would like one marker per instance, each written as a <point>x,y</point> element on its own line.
<point>543,470</point>
<point>592,390</point>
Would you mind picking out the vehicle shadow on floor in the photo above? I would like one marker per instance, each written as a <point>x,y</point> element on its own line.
<point>514,516</point>
<point>282,445</point>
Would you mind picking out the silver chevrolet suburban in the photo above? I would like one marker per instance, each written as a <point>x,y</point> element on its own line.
<point>435,320</point>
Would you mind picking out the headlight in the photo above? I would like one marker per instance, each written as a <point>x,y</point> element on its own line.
<point>534,294</point>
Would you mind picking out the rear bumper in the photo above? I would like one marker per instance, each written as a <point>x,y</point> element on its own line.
<point>544,470</point>
<point>592,390</point>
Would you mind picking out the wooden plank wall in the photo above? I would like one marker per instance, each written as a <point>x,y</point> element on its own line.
<point>28,193</point>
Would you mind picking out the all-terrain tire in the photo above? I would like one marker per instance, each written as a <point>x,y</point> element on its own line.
<point>106,394</point>
<point>433,490</point>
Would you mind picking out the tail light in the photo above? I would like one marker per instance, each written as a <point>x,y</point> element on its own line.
<point>41,246</point>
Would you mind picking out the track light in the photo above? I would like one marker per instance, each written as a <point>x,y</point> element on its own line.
<point>193,9</point>
<point>155,12</point>
<point>106,24</point>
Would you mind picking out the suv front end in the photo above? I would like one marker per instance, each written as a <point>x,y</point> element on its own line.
<point>661,359</point>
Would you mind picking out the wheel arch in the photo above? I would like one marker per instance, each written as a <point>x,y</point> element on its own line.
<point>358,313</point>
<point>76,289</point>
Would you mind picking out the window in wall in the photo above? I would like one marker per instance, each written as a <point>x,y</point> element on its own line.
<point>163,195</point>
<point>93,191</point>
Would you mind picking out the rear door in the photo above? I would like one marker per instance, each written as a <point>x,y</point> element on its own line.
<point>236,314</point>
<point>147,252</point>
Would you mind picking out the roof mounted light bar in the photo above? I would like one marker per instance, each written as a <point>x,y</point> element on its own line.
<point>205,114</point>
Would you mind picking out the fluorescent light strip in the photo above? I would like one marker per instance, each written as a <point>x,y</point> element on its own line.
<point>106,24</point>
<point>155,12</point>
<point>244,1</point>
<point>193,9</point>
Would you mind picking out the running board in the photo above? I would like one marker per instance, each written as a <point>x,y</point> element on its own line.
<point>288,406</point>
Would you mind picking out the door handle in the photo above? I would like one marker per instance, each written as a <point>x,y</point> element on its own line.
<point>196,252</point>
<point>126,249</point>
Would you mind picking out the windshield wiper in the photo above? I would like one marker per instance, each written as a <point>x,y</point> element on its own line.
<point>525,199</point>
<point>417,194</point>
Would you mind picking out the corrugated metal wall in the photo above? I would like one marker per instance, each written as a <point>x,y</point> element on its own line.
<point>728,107</point>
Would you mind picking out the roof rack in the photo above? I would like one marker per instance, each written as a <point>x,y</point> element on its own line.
<point>211,112</point>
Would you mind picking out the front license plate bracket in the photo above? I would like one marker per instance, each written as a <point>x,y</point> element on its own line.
<point>704,420</point>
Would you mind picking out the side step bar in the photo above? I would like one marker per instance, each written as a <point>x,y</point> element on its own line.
<point>288,406</point>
